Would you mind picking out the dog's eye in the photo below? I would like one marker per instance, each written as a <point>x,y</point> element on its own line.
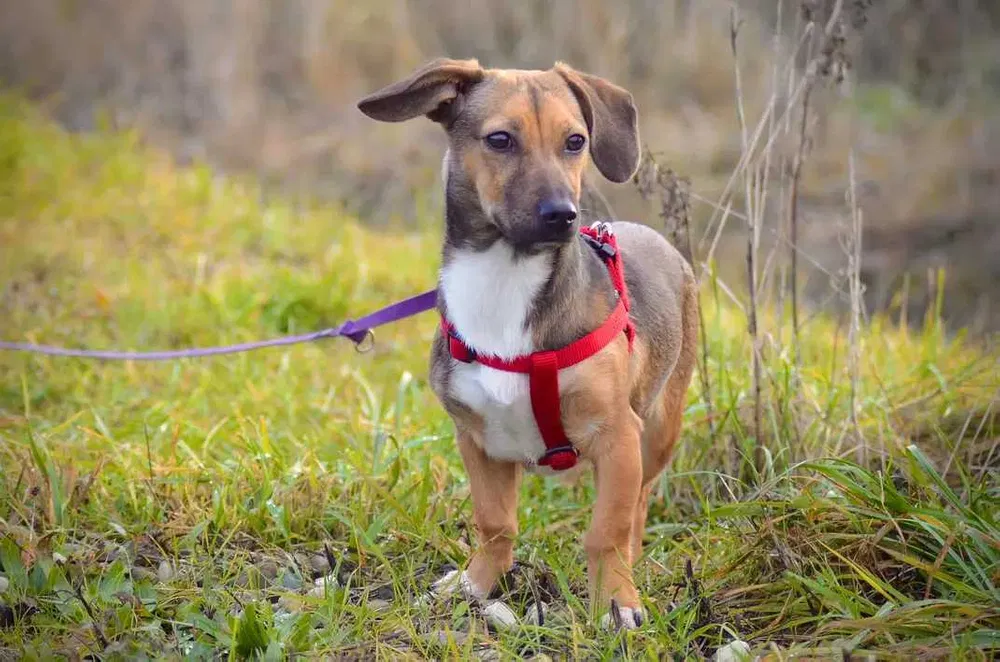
<point>575,143</point>
<point>500,141</point>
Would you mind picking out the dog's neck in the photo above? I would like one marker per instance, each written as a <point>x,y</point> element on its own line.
<point>507,302</point>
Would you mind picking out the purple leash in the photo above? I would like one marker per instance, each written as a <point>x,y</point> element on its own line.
<point>356,330</point>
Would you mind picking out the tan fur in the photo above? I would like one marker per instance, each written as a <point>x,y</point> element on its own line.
<point>494,487</point>
<point>622,411</point>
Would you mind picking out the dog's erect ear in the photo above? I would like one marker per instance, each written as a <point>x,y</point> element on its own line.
<point>611,118</point>
<point>435,90</point>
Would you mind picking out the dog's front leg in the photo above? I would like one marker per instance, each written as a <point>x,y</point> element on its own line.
<point>608,543</point>
<point>494,486</point>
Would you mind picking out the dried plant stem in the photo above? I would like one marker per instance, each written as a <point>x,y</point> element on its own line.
<point>95,624</point>
<point>754,335</point>
<point>854,332</point>
<point>818,44</point>
<point>675,209</point>
<point>706,383</point>
<point>793,221</point>
<point>753,218</point>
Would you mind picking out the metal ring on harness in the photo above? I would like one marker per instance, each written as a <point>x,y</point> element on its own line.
<point>360,347</point>
<point>602,228</point>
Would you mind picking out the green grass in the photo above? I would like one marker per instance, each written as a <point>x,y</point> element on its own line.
<point>183,509</point>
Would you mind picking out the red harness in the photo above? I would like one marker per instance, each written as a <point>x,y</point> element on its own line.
<point>543,368</point>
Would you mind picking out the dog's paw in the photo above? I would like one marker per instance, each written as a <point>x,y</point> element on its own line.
<point>622,618</point>
<point>454,581</point>
<point>457,581</point>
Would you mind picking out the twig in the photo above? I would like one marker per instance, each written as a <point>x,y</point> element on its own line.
<point>675,206</point>
<point>793,223</point>
<point>752,234</point>
<point>149,452</point>
<point>811,75</point>
<point>854,332</point>
<point>745,157</point>
<point>90,612</point>
<point>816,264</point>
<point>940,560</point>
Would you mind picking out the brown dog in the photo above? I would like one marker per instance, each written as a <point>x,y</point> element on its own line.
<point>518,279</point>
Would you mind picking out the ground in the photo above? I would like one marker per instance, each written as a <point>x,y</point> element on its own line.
<point>187,509</point>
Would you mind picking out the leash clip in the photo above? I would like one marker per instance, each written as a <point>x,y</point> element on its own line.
<point>367,342</point>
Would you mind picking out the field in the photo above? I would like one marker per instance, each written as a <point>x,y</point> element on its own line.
<point>186,509</point>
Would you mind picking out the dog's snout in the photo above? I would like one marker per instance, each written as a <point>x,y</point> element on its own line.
<point>557,214</point>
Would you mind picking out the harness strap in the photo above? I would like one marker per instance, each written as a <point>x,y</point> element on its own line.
<point>543,367</point>
<point>543,383</point>
<point>570,355</point>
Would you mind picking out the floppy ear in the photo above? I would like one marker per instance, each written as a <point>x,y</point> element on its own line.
<point>434,90</point>
<point>610,114</point>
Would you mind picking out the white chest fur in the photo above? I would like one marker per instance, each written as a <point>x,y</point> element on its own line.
<point>489,295</point>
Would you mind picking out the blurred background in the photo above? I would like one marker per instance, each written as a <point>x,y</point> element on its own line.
<point>906,97</point>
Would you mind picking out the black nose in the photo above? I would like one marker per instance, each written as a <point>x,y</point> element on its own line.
<point>556,214</point>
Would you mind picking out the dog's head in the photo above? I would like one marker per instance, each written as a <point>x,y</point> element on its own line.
<point>519,140</point>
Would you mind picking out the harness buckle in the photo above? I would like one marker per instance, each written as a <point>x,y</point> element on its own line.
<point>459,350</point>
<point>603,248</point>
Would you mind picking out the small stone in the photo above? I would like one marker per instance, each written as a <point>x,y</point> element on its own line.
<point>290,603</point>
<point>487,654</point>
<point>444,637</point>
<point>499,615</point>
<point>58,558</point>
<point>378,605</point>
<point>4,584</point>
<point>424,599</point>
<point>291,580</point>
<point>165,571</point>
<point>71,548</point>
<point>252,577</point>
<point>734,651</point>
<point>139,573</point>
<point>536,613</point>
<point>319,564</point>
<point>302,561</point>
<point>268,569</point>
<point>322,585</point>
<point>328,580</point>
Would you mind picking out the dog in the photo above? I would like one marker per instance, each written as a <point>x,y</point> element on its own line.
<point>524,283</point>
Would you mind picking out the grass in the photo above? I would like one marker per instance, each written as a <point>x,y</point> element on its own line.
<point>185,509</point>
